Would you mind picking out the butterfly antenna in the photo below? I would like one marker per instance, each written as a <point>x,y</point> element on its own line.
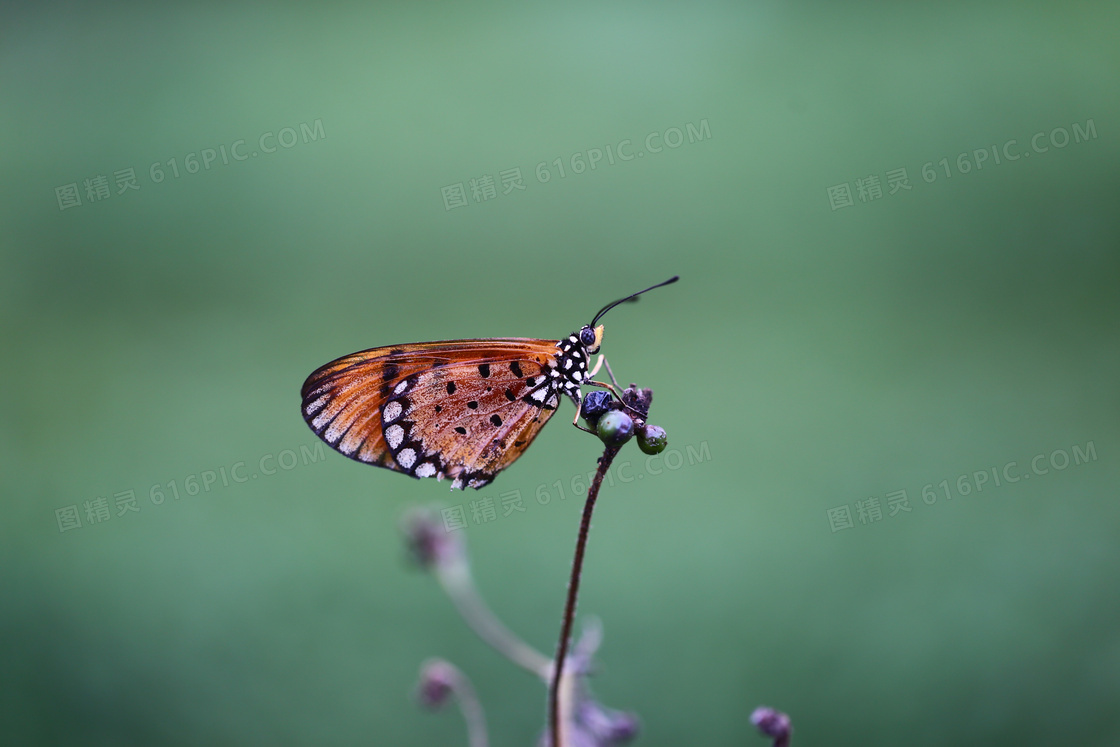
<point>610,306</point>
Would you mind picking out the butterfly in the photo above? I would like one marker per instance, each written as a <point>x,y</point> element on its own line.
<point>461,409</point>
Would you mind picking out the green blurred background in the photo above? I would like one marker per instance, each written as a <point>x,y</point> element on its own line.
<point>815,355</point>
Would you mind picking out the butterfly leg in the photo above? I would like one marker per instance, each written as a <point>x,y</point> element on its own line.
<point>613,386</point>
<point>603,362</point>
<point>575,420</point>
<point>604,385</point>
<point>598,364</point>
<point>589,381</point>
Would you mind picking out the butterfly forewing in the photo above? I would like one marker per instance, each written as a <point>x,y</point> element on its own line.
<point>464,409</point>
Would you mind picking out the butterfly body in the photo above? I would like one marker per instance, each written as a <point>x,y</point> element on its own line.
<point>462,409</point>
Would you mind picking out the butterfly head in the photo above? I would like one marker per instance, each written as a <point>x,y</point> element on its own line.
<point>591,338</point>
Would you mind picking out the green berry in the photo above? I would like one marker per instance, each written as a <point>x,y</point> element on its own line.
<point>615,427</point>
<point>652,439</point>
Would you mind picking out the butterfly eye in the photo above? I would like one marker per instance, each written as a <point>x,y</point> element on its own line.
<point>587,337</point>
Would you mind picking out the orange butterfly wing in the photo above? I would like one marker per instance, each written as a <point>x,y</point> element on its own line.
<point>464,409</point>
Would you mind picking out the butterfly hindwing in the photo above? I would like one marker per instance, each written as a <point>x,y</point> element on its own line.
<point>464,409</point>
<point>482,416</point>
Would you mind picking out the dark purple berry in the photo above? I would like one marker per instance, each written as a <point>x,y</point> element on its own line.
<point>594,405</point>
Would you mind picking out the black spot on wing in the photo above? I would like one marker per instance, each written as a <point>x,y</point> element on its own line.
<point>391,371</point>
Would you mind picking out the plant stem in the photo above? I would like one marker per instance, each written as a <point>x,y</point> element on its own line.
<point>472,714</point>
<point>455,577</point>
<point>573,593</point>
